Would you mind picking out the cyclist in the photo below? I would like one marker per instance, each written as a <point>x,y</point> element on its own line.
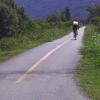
<point>75,28</point>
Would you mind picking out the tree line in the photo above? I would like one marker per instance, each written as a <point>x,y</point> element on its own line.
<point>13,19</point>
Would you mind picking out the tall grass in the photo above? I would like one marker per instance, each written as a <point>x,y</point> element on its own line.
<point>10,46</point>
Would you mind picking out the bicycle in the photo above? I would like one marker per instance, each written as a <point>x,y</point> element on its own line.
<point>75,34</point>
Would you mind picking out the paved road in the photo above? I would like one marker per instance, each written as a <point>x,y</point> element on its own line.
<point>43,73</point>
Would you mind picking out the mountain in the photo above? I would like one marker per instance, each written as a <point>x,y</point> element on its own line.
<point>41,8</point>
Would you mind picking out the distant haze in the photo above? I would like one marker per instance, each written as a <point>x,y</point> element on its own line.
<point>42,8</point>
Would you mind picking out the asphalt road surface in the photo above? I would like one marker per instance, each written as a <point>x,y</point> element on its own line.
<point>43,73</point>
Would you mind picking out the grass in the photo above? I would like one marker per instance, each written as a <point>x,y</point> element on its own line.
<point>11,46</point>
<point>88,72</point>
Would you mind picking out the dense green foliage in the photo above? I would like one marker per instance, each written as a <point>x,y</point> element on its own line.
<point>12,19</point>
<point>94,14</point>
<point>58,18</point>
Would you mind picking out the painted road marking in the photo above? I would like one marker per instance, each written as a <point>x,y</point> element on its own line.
<point>23,77</point>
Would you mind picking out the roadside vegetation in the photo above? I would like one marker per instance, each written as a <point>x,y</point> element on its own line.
<point>19,33</point>
<point>88,72</point>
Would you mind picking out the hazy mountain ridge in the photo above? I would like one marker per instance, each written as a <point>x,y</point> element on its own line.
<point>41,8</point>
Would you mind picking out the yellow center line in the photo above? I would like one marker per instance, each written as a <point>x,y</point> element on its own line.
<point>23,77</point>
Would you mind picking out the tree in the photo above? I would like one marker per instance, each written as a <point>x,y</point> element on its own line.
<point>52,19</point>
<point>5,20</point>
<point>94,11</point>
<point>9,3</point>
<point>65,15</point>
<point>12,19</point>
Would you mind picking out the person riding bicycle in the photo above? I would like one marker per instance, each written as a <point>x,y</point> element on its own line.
<point>75,28</point>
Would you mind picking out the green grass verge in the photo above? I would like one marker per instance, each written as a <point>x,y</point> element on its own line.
<point>4,55</point>
<point>88,72</point>
<point>14,45</point>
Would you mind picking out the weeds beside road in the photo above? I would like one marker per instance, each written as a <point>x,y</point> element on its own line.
<point>14,45</point>
<point>89,69</point>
